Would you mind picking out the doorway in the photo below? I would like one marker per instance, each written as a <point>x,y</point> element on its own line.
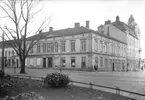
<point>44,62</point>
<point>49,62</point>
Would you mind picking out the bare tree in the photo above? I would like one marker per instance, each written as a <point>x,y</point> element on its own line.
<point>20,13</point>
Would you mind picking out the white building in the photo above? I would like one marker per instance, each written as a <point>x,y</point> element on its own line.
<point>110,48</point>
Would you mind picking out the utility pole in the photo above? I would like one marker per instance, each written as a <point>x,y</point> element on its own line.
<point>2,65</point>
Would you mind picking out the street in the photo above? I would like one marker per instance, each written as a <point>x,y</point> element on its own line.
<point>132,81</point>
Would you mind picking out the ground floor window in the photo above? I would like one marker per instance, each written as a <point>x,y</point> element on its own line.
<point>63,61</point>
<point>106,62</point>
<point>83,62</point>
<point>72,61</point>
<point>101,61</point>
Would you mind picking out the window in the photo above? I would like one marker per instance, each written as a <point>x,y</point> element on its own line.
<point>9,53</point>
<point>105,47</point>
<point>5,53</point>
<point>72,45</point>
<point>48,47</point>
<point>96,44</point>
<point>56,46</point>
<point>101,46</point>
<point>83,45</point>
<point>101,61</point>
<point>31,50</point>
<point>119,53</point>
<point>62,46</point>
<point>52,47</point>
<point>83,62</point>
<point>106,62</point>
<point>12,53</point>
<point>44,47</point>
<point>72,61</point>
<point>96,60</point>
<point>62,61</point>
<point>38,47</point>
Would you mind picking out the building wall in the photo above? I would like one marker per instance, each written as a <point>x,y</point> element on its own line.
<point>114,32</point>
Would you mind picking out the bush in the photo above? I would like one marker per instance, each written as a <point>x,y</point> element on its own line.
<point>2,74</point>
<point>56,80</point>
<point>4,89</point>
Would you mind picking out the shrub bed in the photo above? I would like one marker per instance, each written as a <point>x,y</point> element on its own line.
<point>56,80</point>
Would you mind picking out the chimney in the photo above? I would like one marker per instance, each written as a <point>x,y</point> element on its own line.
<point>87,24</point>
<point>40,31</point>
<point>50,29</point>
<point>108,31</point>
<point>117,18</point>
<point>77,25</point>
<point>108,22</point>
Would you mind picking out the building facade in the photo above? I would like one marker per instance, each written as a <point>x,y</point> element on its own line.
<point>111,48</point>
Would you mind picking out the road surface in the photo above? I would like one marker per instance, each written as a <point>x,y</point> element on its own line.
<point>132,81</point>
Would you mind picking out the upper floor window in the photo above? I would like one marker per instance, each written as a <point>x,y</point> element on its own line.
<point>13,53</point>
<point>5,53</point>
<point>96,44</point>
<point>52,47</point>
<point>9,53</point>
<point>38,47</point>
<point>83,45</point>
<point>44,47</point>
<point>72,45</point>
<point>56,46</point>
<point>31,50</point>
<point>48,47</point>
<point>62,46</point>
<point>101,46</point>
<point>105,47</point>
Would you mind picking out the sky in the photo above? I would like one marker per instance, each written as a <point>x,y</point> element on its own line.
<point>65,13</point>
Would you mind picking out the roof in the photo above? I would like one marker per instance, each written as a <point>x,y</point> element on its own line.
<point>6,43</point>
<point>62,32</point>
<point>123,27</point>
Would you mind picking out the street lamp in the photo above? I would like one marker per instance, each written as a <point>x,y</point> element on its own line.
<point>139,56</point>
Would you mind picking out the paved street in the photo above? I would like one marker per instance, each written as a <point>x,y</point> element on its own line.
<point>132,81</point>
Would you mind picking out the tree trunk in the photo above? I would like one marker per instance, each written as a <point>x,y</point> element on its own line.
<point>22,71</point>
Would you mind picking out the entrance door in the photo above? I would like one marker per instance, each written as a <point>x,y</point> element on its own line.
<point>44,62</point>
<point>49,62</point>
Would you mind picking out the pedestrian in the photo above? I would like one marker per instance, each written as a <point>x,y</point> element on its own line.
<point>96,67</point>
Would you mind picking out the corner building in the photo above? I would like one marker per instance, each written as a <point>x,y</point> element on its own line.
<point>82,48</point>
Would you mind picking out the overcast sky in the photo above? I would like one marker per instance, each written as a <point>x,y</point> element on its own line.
<point>65,13</point>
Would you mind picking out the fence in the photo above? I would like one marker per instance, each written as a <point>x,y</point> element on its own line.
<point>117,89</point>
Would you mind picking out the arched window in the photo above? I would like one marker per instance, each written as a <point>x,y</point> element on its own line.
<point>38,47</point>
<point>48,47</point>
<point>56,46</point>
<point>44,47</point>
<point>52,47</point>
